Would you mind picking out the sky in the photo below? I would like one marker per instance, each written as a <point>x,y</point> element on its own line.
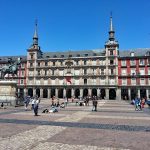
<point>72,24</point>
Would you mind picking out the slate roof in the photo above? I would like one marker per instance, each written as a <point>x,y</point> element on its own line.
<point>81,53</point>
<point>137,52</point>
<point>14,58</point>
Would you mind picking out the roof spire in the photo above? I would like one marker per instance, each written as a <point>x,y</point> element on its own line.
<point>35,37</point>
<point>111,24</point>
<point>111,31</point>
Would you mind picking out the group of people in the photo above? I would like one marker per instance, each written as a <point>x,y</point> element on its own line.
<point>34,101</point>
<point>139,103</point>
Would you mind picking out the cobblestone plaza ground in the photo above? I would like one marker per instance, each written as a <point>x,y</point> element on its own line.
<point>116,125</point>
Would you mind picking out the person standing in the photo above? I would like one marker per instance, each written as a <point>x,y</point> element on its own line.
<point>36,107</point>
<point>94,105</point>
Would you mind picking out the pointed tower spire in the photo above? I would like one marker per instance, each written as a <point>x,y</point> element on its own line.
<point>111,32</point>
<point>35,37</point>
<point>111,24</point>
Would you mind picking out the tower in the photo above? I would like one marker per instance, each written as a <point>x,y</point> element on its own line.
<point>33,54</point>
<point>111,54</point>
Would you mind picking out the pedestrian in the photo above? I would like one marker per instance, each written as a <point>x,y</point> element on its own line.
<point>32,103</point>
<point>94,105</point>
<point>36,107</point>
<point>26,101</point>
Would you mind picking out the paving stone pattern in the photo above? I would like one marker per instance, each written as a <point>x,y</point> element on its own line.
<point>114,121</point>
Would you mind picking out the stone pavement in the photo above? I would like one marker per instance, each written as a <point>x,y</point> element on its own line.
<point>115,126</point>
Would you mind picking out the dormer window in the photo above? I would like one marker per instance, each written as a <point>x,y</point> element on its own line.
<point>132,54</point>
<point>54,56</point>
<point>78,55</point>
<point>86,55</point>
<point>94,54</point>
<point>70,55</point>
<point>47,56</point>
<point>148,53</point>
<point>62,56</point>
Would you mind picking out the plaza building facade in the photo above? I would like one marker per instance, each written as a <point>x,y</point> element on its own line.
<point>108,73</point>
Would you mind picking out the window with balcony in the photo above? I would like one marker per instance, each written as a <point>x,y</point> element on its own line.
<point>31,64</point>
<point>132,62</point>
<point>46,64</point>
<point>21,81</point>
<point>85,71</point>
<point>31,56</point>
<point>38,64</point>
<point>141,62</point>
<point>85,81</point>
<point>111,52</point>
<point>111,62</point>
<point>52,72</point>
<point>124,72</point>
<point>142,81</point>
<point>77,63</point>
<point>38,72</point>
<point>142,72</point>
<point>123,63</point>
<point>111,71</point>
<point>45,72</point>
<point>102,71</point>
<point>22,73</point>
<point>84,62</point>
<point>133,81</point>
<point>124,81</point>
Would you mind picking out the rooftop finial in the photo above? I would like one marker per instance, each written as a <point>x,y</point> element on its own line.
<point>35,37</point>
<point>111,24</point>
<point>35,32</point>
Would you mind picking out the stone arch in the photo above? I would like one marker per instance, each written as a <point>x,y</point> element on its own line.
<point>77,93</point>
<point>94,92</point>
<point>45,93</point>
<point>38,92</point>
<point>85,92</point>
<point>30,92</point>
<point>52,92</point>
<point>103,93</point>
<point>60,93</point>
<point>68,93</point>
<point>112,94</point>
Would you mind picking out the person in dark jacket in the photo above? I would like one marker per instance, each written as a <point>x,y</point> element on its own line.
<point>94,105</point>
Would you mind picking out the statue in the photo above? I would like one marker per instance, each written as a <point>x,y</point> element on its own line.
<point>12,68</point>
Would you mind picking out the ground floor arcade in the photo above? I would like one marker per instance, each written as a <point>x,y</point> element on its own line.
<point>103,93</point>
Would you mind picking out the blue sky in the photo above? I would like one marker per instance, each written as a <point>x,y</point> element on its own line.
<point>72,24</point>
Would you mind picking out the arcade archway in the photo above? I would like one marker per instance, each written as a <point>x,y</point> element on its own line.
<point>103,94</point>
<point>68,93</point>
<point>112,94</point>
<point>30,92</point>
<point>85,92</point>
<point>38,92</point>
<point>45,93</point>
<point>52,92</point>
<point>94,92</point>
<point>60,93</point>
<point>77,93</point>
